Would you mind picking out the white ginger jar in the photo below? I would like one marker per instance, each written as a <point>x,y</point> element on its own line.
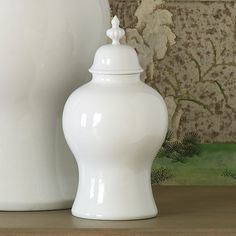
<point>115,125</point>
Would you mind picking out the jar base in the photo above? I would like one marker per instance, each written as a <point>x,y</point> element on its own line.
<point>114,217</point>
<point>114,191</point>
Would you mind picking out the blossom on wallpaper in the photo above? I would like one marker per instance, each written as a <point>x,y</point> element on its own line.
<point>151,17</point>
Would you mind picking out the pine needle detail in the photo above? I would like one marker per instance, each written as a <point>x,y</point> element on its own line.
<point>180,151</point>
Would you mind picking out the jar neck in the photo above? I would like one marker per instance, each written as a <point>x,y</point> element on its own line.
<point>101,78</point>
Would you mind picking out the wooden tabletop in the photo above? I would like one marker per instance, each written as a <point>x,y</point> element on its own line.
<point>183,211</point>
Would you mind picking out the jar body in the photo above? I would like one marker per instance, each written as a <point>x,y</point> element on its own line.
<point>44,55</point>
<point>115,126</point>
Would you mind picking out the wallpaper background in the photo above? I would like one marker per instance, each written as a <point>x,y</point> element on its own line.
<point>188,51</point>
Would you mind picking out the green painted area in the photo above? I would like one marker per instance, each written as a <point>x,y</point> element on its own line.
<point>205,169</point>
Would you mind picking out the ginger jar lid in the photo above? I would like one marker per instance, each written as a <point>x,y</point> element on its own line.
<point>116,58</point>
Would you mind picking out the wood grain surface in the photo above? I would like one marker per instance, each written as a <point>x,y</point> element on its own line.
<point>183,211</point>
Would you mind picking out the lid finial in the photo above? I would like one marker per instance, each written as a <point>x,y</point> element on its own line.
<point>115,33</point>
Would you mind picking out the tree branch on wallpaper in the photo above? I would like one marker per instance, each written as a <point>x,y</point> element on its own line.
<point>214,64</point>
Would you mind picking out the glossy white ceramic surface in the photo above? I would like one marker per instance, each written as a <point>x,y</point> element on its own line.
<point>46,47</point>
<point>115,126</point>
<point>114,59</point>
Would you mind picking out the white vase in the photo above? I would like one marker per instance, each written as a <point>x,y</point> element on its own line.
<point>115,126</point>
<point>45,46</point>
